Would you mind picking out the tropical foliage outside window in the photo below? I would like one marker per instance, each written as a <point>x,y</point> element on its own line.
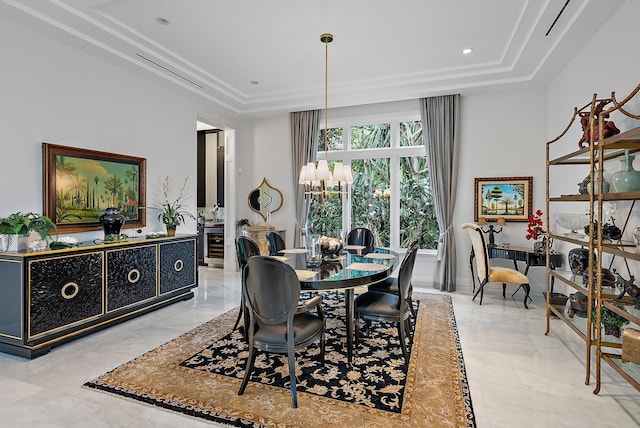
<point>397,213</point>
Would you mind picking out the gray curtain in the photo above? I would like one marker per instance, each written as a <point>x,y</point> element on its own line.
<point>305,128</point>
<point>441,131</point>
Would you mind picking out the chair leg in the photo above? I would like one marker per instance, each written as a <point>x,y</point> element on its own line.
<point>235,325</point>
<point>247,374</point>
<point>407,327</point>
<point>504,290</point>
<point>527,289</point>
<point>292,375</point>
<point>402,340</point>
<point>480,291</point>
<point>413,310</point>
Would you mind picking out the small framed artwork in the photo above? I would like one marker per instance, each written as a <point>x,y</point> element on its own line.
<point>79,184</point>
<point>507,197</point>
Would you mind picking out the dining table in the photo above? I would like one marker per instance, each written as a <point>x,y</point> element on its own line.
<point>352,268</point>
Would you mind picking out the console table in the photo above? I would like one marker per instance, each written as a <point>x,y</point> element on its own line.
<point>519,254</point>
<point>48,297</point>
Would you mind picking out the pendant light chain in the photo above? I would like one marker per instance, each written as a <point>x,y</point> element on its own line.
<point>318,179</point>
<point>326,38</point>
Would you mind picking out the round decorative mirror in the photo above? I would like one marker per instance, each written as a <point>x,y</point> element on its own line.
<point>265,199</point>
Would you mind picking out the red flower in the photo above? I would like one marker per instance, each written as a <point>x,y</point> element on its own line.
<point>535,228</point>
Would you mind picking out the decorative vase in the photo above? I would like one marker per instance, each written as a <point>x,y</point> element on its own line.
<point>112,221</point>
<point>14,242</point>
<point>539,245</point>
<point>605,185</point>
<point>171,230</point>
<point>627,179</point>
<point>579,260</point>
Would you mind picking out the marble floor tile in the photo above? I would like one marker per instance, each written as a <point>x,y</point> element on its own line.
<point>517,375</point>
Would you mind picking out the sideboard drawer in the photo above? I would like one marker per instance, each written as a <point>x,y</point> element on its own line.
<point>64,290</point>
<point>177,267</point>
<point>131,276</point>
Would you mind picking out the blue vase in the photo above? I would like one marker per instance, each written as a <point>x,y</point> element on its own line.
<point>627,179</point>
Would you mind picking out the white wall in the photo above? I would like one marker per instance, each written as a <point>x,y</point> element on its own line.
<point>54,93</point>
<point>608,62</point>
<point>503,135</point>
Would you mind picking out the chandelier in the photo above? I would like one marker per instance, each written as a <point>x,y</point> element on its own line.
<point>318,179</point>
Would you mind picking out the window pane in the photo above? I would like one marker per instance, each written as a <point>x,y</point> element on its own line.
<point>370,197</point>
<point>334,139</point>
<point>325,215</point>
<point>411,134</point>
<point>417,213</point>
<point>371,136</point>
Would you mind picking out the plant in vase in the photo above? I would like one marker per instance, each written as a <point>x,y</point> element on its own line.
<point>612,322</point>
<point>172,213</point>
<point>17,227</point>
<point>535,231</point>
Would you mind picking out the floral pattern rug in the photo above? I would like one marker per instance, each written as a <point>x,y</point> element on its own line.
<point>199,373</point>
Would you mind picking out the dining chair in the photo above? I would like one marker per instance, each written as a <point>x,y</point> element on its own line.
<point>486,273</point>
<point>361,236</point>
<point>386,307</point>
<point>390,284</point>
<point>275,243</point>
<point>245,248</point>
<point>271,291</point>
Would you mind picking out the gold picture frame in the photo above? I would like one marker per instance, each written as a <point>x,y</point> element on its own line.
<point>79,184</point>
<point>507,197</point>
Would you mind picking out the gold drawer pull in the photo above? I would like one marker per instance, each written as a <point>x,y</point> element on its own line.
<point>178,265</point>
<point>65,290</point>
<point>134,276</point>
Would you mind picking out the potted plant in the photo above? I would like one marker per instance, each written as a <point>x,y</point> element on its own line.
<point>612,322</point>
<point>16,228</point>
<point>173,213</point>
<point>242,224</point>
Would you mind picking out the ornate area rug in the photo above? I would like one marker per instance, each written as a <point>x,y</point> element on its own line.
<point>198,374</point>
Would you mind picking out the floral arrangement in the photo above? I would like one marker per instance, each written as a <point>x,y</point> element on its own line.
<point>173,213</point>
<point>534,227</point>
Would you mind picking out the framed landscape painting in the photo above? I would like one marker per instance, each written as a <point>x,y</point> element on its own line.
<point>507,197</point>
<point>79,184</point>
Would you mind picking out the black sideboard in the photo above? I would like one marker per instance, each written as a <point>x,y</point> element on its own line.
<point>48,297</point>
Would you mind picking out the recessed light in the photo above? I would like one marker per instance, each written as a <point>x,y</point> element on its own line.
<point>162,21</point>
<point>467,51</point>
<point>254,82</point>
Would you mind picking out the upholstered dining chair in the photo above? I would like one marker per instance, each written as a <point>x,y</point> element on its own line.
<point>271,291</point>
<point>245,248</point>
<point>386,307</point>
<point>275,242</point>
<point>390,285</point>
<point>361,236</point>
<point>486,273</point>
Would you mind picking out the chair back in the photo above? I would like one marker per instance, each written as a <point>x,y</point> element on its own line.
<point>361,236</point>
<point>246,248</point>
<point>479,250</point>
<point>276,243</point>
<point>271,289</point>
<point>406,272</point>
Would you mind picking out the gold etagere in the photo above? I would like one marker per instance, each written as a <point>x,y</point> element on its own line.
<point>600,149</point>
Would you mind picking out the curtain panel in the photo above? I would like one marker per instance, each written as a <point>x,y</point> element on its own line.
<point>441,130</point>
<point>305,129</point>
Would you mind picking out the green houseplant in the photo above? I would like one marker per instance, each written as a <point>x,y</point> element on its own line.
<point>172,213</point>
<point>21,224</point>
<point>612,322</point>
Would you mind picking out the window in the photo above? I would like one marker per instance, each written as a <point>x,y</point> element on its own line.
<point>391,193</point>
